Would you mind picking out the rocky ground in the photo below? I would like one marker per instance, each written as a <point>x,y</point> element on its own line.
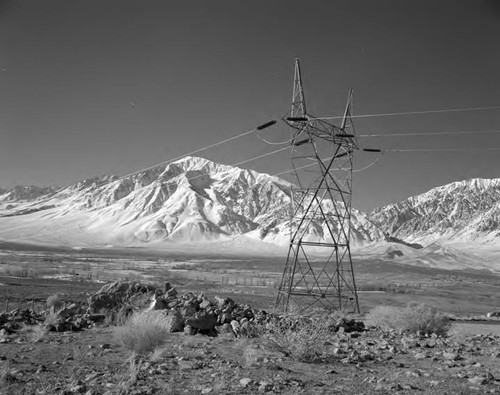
<point>215,348</point>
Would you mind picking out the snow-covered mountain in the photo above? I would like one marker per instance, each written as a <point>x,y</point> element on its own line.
<point>194,199</point>
<point>457,212</point>
<point>22,192</point>
<point>189,200</point>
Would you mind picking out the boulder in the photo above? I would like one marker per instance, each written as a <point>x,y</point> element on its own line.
<point>171,319</point>
<point>224,302</point>
<point>157,303</point>
<point>248,329</point>
<point>202,320</point>
<point>235,325</point>
<point>112,296</point>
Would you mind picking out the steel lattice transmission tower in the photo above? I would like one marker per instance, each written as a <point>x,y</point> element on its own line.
<point>318,270</point>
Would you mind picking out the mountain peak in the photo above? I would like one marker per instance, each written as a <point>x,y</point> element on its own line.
<point>193,159</point>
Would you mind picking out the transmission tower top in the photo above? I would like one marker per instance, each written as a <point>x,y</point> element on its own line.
<point>298,99</point>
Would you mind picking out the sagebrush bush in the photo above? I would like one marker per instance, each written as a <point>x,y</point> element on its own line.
<point>413,318</point>
<point>426,319</point>
<point>142,332</point>
<point>301,338</point>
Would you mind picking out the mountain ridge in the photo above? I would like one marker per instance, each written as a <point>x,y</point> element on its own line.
<point>189,200</point>
<point>461,210</point>
<point>194,199</point>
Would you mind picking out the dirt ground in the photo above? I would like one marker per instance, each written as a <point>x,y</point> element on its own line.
<point>91,362</point>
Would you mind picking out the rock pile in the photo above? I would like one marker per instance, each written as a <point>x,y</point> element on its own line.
<point>189,313</point>
<point>74,317</point>
<point>15,319</point>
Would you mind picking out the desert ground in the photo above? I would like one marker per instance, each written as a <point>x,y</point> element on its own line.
<point>92,360</point>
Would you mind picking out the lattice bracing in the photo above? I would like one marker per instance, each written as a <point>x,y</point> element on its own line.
<point>318,270</point>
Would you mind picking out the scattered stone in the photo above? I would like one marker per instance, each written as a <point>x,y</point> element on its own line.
<point>451,356</point>
<point>264,386</point>
<point>478,380</point>
<point>245,382</point>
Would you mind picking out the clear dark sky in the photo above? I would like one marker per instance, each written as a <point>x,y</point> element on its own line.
<point>97,87</point>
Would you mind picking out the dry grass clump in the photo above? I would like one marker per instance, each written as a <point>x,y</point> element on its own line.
<point>142,332</point>
<point>157,354</point>
<point>35,333</point>
<point>7,375</point>
<point>414,318</point>
<point>53,320</point>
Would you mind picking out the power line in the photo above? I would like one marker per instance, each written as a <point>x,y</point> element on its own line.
<point>260,156</point>
<point>190,153</point>
<point>393,150</point>
<point>392,114</point>
<point>441,149</point>
<point>277,142</point>
<point>430,133</point>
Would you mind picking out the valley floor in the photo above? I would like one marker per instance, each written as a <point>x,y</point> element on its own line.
<point>91,362</point>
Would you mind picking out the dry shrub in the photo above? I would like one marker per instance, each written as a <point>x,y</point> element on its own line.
<point>413,318</point>
<point>301,338</point>
<point>142,332</point>
<point>55,302</point>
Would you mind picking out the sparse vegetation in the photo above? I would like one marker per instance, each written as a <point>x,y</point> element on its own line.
<point>142,332</point>
<point>414,318</point>
<point>6,375</point>
<point>55,302</point>
<point>301,338</point>
<point>52,320</point>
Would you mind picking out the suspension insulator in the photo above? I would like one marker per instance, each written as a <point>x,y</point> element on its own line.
<point>266,125</point>
<point>297,119</point>
<point>301,142</point>
<point>340,155</point>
